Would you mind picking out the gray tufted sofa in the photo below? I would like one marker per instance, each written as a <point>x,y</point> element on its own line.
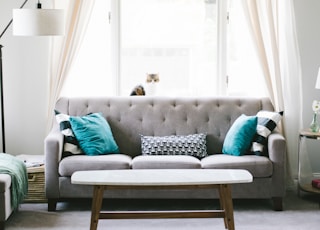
<point>129,117</point>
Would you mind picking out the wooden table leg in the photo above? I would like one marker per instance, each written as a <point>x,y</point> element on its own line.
<point>222,204</point>
<point>228,205</point>
<point>96,205</point>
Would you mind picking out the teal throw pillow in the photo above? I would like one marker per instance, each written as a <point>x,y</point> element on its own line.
<point>94,134</point>
<point>239,137</point>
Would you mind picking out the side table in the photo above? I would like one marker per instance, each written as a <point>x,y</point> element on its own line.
<point>36,185</point>
<point>305,172</point>
<point>36,178</point>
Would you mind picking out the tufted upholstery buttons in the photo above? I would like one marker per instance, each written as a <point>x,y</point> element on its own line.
<point>130,117</point>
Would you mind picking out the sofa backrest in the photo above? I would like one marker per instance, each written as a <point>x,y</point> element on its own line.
<point>130,117</point>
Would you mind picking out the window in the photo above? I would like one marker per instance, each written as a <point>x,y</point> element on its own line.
<point>189,44</point>
<point>175,39</point>
<point>243,70</point>
<point>91,73</point>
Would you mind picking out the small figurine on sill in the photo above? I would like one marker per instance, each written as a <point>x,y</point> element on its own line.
<point>138,91</point>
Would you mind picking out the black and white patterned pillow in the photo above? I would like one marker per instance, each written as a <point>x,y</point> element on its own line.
<point>71,145</point>
<point>193,145</point>
<point>267,122</point>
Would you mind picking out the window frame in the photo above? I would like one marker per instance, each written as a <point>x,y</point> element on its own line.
<point>115,17</point>
<point>227,74</point>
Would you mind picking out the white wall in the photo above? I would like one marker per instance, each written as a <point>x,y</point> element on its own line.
<point>26,81</point>
<point>308,31</point>
<point>25,67</point>
<point>307,19</point>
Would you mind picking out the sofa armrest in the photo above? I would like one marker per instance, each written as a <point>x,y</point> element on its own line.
<point>277,154</point>
<point>5,198</point>
<point>53,151</point>
<point>5,182</point>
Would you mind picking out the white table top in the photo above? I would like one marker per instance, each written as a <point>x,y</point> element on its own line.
<point>158,177</point>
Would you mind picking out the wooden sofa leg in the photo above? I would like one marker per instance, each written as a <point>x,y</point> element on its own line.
<point>277,203</point>
<point>52,205</point>
<point>2,223</point>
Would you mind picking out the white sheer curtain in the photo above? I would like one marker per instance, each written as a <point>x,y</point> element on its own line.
<point>273,27</point>
<point>64,50</point>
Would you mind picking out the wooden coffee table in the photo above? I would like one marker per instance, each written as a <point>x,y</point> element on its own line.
<point>220,179</point>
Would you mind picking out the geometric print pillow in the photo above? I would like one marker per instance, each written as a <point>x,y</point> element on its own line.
<point>192,145</point>
<point>267,122</point>
<point>71,145</point>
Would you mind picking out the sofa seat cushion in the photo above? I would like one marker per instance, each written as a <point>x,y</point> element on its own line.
<point>165,162</point>
<point>258,166</point>
<point>71,164</point>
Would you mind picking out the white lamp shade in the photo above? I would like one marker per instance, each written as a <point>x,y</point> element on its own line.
<point>38,22</point>
<point>318,80</point>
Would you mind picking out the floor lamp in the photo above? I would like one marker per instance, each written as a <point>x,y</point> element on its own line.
<point>30,22</point>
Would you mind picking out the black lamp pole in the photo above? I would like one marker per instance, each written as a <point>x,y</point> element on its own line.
<point>1,102</point>
<point>1,86</point>
<point>2,107</point>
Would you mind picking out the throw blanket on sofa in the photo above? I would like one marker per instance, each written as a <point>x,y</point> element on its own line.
<point>19,177</point>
